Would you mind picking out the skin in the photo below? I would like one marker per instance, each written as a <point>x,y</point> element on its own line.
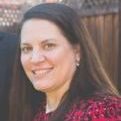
<point>48,59</point>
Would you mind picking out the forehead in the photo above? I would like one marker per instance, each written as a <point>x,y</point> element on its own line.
<point>39,28</point>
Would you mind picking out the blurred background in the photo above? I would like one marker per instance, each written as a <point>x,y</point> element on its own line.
<point>102,18</point>
<point>11,12</point>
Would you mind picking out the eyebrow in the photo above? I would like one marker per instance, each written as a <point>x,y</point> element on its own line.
<point>42,41</point>
<point>47,40</point>
<point>24,44</point>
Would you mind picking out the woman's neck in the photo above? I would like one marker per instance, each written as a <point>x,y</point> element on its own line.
<point>53,100</point>
<point>54,97</point>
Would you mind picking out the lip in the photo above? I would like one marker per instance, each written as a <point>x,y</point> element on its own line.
<point>39,73</point>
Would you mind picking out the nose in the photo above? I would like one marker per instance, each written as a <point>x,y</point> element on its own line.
<point>37,56</point>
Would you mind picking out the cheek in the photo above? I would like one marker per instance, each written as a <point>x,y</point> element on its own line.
<point>24,61</point>
<point>63,56</point>
<point>64,60</point>
<point>65,68</point>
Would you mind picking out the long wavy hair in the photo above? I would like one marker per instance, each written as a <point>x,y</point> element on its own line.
<point>90,76</point>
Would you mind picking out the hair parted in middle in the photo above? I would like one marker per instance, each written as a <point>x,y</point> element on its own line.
<point>90,76</point>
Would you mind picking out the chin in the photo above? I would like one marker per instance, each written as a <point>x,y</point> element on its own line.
<point>40,88</point>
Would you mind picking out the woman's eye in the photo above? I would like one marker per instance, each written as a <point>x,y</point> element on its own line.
<point>26,49</point>
<point>49,46</point>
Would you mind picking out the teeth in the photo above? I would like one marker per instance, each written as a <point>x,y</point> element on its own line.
<point>40,72</point>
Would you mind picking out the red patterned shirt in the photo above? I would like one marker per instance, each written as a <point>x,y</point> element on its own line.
<point>97,108</point>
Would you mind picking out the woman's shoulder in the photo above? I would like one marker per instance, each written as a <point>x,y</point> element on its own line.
<point>103,98</point>
<point>100,107</point>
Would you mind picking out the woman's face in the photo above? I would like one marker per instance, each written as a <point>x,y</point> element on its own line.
<point>47,57</point>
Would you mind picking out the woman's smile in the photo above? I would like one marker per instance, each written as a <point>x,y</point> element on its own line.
<point>42,72</point>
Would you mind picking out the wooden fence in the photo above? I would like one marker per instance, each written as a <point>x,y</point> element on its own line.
<point>105,33</point>
<point>102,19</point>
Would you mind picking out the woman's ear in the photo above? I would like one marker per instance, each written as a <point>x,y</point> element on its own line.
<point>77,51</point>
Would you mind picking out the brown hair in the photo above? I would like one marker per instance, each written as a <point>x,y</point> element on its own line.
<point>90,76</point>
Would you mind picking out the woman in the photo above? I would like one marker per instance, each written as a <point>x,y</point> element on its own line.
<point>62,63</point>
